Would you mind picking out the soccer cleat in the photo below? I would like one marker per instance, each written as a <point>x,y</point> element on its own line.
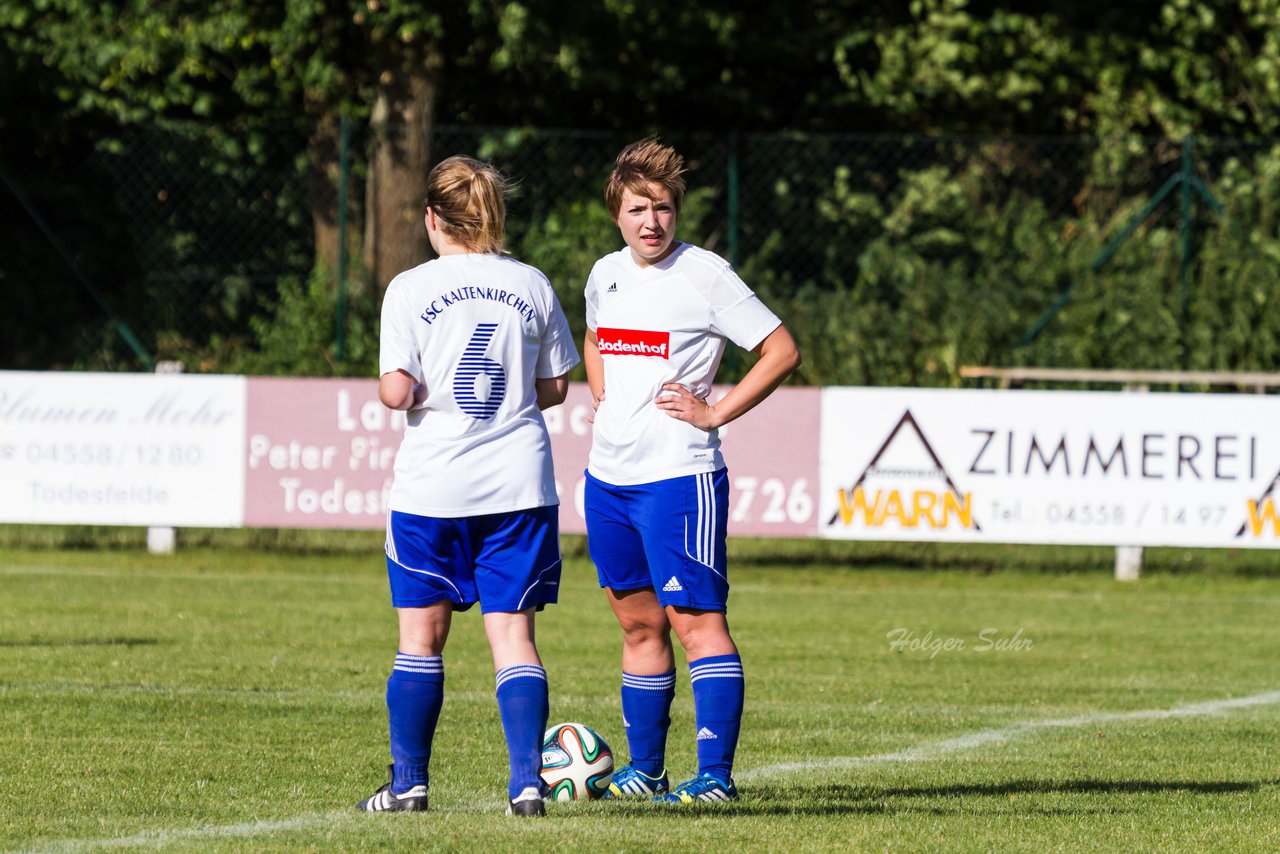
<point>385,800</point>
<point>632,782</point>
<point>704,787</point>
<point>527,803</point>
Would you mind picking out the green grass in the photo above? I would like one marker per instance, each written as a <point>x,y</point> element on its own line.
<point>229,697</point>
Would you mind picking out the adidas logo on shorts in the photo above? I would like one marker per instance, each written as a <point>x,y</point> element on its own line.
<point>704,734</point>
<point>672,585</point>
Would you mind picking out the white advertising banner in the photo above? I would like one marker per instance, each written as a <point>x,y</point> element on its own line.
<point>122,449</point>
<point>1102,468</point>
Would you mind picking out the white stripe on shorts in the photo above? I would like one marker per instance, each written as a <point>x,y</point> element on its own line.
<point>704,534</point>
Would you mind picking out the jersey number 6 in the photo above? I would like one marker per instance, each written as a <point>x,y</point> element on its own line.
<point>473,365</point>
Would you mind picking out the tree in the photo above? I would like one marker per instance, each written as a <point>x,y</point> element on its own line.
<point>1150,67</point>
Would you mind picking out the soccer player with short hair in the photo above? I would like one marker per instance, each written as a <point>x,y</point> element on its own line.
<point>474,345</point>
<point>659,314</point>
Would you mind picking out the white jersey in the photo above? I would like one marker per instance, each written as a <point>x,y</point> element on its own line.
<point>667,322</point>
<point>476,330</point>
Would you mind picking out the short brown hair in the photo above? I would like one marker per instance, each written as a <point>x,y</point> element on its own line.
<point>640,164</point>
<point>469,198</point>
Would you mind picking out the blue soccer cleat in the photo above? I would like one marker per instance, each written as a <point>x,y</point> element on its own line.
<point>704,787</point>
<point>630,782</point>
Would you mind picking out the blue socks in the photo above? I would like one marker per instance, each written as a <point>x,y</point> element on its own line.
<point>718,689</point>
<point>523,705</point>
<point>646,714</point>
<point>415,693</point>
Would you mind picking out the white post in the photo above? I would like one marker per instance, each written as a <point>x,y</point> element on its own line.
<point>161,540</point>
<point>1128,563</point>
<point>1129,558</point>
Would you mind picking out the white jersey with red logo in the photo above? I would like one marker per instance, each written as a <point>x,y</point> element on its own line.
<point>476,330</point>
<point>665,323</point>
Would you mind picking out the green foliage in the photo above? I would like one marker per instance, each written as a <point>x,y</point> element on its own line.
<point>939,261</point>
<point>1151,67</point>
<point>957,274</point>
<point>298,337</point>
<point>947,65</point>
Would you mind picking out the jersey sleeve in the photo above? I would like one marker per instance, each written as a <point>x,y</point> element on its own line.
<point>558,354</point>
<point>737,313</point>
<point>593,300</point>
<point>397,348</point>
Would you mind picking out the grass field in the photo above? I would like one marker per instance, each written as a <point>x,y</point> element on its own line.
<point>229,697</point>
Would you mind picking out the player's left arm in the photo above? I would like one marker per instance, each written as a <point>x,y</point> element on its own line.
<point>778,358</point>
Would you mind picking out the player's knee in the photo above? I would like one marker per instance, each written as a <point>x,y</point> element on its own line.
<point>646,634</point>
<point>703,638</point>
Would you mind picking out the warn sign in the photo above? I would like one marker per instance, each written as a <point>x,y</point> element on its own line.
<point>633,342</point>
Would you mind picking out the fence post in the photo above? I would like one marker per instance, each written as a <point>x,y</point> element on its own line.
<point>163,540</point>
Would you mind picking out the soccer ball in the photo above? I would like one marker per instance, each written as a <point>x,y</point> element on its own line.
<point>576,763</point>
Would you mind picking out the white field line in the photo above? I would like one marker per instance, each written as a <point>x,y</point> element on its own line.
<point>164,838</point>
<point>181,574</point>
<point>852,592</point>
<point>160,838</point>
<point>968,741</point>
<point>922,753</point>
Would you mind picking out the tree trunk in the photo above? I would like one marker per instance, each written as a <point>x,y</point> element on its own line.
<point>399,132</point>
<point>322,157</point>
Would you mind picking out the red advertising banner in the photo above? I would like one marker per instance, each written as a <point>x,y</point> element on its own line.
<point>320,453</point>
<point>772,457</point>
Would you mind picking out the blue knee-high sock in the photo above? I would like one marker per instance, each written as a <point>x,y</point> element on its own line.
<point>523,705</point>
<point>415,693</point>
<point>718,689</point>
<point>646,714</point>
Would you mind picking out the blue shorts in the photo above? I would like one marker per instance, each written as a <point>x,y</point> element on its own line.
<point>505,561</point>
<point>668,535</point>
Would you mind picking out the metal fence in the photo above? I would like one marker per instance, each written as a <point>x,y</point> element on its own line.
<point>198,231</point>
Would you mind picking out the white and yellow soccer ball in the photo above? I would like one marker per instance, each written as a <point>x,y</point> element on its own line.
<point>577,763</point>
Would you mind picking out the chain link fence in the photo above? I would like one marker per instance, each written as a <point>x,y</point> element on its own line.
<point>193,234</point>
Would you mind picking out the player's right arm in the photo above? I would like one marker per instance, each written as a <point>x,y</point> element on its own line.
<point>398,361</point>
<point>398,390</point>
<point>591,359</point>
<point>594,364</point>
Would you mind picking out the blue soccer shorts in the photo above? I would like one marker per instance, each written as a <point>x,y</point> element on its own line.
<point>505,561</point>
<point>668,535</point>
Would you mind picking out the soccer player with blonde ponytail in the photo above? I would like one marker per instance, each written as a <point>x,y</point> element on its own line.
<point>474,345</point>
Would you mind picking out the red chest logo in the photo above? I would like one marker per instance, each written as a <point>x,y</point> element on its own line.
<point>633,342</point>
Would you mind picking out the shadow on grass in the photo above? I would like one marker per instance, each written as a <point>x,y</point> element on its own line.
<point>826,800</point>
<point>71,642</point>
<point>980,798</point>
<point>1052,787</point>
